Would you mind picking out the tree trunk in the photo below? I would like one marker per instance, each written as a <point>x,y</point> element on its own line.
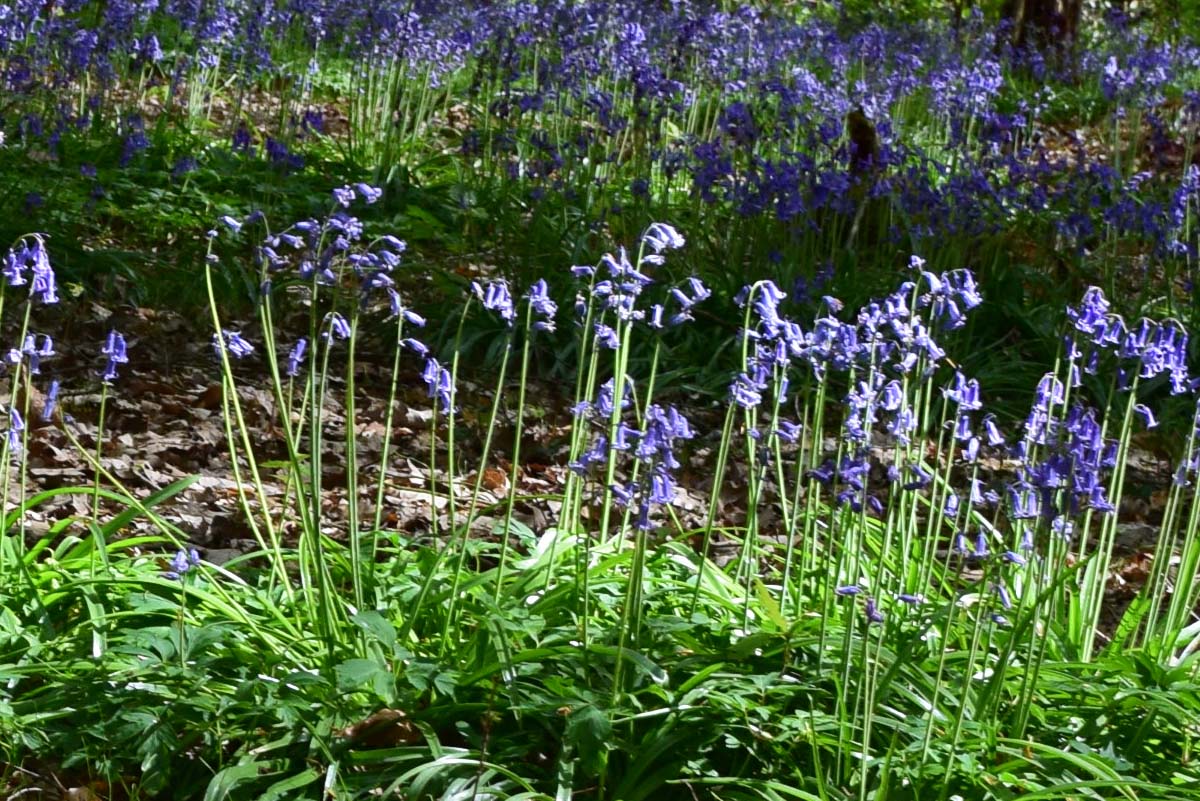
<point>1049,26</point>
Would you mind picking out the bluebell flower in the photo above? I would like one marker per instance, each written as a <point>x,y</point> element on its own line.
<point>15,426</point>
<point>823,473</point>
<point>539,300</point>
<point>621,494</point>
<point>660,237</point>
<point>43,285</point>
<point>921,477</point>
<point>496,297</point>
<point>595,455</point>
<point>1147,416</point>
<point>369,193</point>
<point>995,438</point>
<point>964,392</point>
<point>746,392</point>
<point>872,612</point>
<point>439,384</point>
<point>662,486</point>
<point>115,352</point>
<point>1002,594</point>
<point>623,437</point>
<point>1064,527</point>
<point>14,267</point>
<point>1091,316</point>
<point>788,431</point>
<point>416,346</point>
<point>296,357</point>
<point>51,401</point>
<point>339,328</point>
<point>655,320</point>
<point>606,336</point>
<point>605,398</point>
<point>233,341</point>
<point>182,563</point>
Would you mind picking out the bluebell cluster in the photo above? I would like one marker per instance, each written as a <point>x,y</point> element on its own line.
<point>744,110</point>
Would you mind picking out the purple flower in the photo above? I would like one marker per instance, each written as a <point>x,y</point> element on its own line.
<point>296,357</point>
<point>995,438</point>
<point>181,563</point>
<point>344,196</point>
<point>606,336</point>
<point>622,494</point>
<point>238,347</point>
<point>439,384</point>
<point>746,392</point>
<point>15,427</point>
<point>662,487</point>
<point>872,612</point>
<point>14,267</point>
<point>496,297</point>
<point>51,401</point>
<point>539,300</point>
<point>660,237</point>
<point>43,283</point>
<point>1147,416</point>
<point>416,346</point>
<point>964,392</point>
<point>338,327</point>
<point>1091,316</point>
<point>1049,393</point>
<point>369,193</point>
<point>114,351</point>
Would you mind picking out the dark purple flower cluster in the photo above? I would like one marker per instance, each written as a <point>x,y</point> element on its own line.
<point>620,294</point>
<point>330,253</point>
<point>319,250</point>
<point>1142,350</point>
<point>33,352</point>
<point>885,355</point>
<point>1064,474</point>
<point>647,455</point>
<point>29,263</point>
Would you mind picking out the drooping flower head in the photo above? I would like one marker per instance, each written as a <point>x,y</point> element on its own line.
<point>233,342</point>
<point>115,352</point>
<point>496,297</point>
